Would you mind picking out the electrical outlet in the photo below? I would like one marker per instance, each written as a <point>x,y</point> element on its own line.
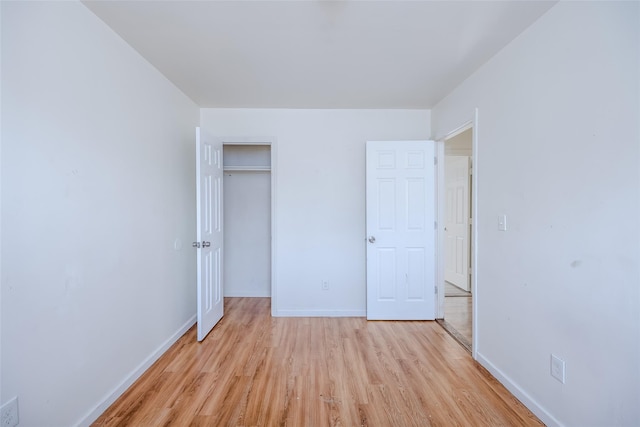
<point>325,285</point>
<point>9,413</point>
<point>557,368</point>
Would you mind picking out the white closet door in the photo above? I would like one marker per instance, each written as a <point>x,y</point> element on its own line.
<point>209,232</point>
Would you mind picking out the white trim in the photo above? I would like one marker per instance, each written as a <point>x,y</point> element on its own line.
<point>470,124</point>
<point>274,228</point>
<point>128,381</point>
<point>440,219</point>
<point>457,131</point>
<point>528,401</point>
<point>247,140</point>
<point>319,313</point>
<point>474,236</point>
<point>247,168</point>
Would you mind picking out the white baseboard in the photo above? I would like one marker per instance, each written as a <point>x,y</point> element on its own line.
<point>539,411</point>
<point>320,313</point>
<point>134,375</point>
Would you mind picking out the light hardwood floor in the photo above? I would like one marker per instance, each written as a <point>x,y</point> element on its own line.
<point>457,311</point>
<point>457,319</point>
<point>255,370</point>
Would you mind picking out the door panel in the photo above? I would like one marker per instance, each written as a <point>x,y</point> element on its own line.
<point>457,215</point>
<point>400,190</point>
<point>415,274</point>
<point>386,207</point>
<point>209,233</point>
<point>386,284</point>
<point>415,204</point>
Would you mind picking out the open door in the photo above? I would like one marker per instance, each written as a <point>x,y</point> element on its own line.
<point>401,208</point>
<point>209,232</point>
<point>457,215</point>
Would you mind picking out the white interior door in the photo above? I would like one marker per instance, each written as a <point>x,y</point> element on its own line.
<point>457,221</point>
<point>400,192</point>
<point>209,232</point>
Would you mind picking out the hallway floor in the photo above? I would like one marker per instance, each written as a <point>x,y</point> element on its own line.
<point>458,314</point>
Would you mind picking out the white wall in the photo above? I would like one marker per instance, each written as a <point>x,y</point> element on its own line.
<point>98,183</point>
<point>320,200</point>
<point>2,400</point>
<point>247,234</point>
<point>558,152</point>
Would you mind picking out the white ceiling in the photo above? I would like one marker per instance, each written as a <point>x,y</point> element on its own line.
<point>318,54</point>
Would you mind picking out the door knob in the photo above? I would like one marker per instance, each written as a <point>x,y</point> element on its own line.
<point>196,244</point>
<point>372,239</point>
<point>206,244</point>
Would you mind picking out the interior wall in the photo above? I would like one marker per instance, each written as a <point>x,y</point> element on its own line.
<point>320,199</point>
<point>2,398</point>
<point>98,211</point>
<point>247,234</point>
<point>558,153</point>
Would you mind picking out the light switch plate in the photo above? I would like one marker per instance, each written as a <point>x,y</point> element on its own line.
<point>502,222</point>
<point>557,368</point>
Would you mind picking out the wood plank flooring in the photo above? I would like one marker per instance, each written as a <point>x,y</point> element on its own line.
<point>457,311</point>
<point>458,319</point>
<point>255,370</point>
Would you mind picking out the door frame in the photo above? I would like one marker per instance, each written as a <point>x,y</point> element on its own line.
<point>441,192</point>
<point>272,143</point>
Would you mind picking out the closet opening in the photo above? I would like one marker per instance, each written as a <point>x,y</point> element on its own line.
<point>247,217</point>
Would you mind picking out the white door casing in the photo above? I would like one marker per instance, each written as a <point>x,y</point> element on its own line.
<point>209,232</point>
<point>457,221</point>
<point>400,225</point>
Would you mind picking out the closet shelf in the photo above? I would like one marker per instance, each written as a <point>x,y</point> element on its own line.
<point>246,168</point>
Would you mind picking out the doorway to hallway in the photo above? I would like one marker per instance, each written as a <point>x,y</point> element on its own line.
<point>458,222</point>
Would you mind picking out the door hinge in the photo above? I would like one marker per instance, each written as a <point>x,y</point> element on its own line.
<point>435,290</point>
<point>435,160</point>
<point>435,225</point>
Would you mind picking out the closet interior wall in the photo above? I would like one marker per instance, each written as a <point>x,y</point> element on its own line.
<point>247,220</point>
